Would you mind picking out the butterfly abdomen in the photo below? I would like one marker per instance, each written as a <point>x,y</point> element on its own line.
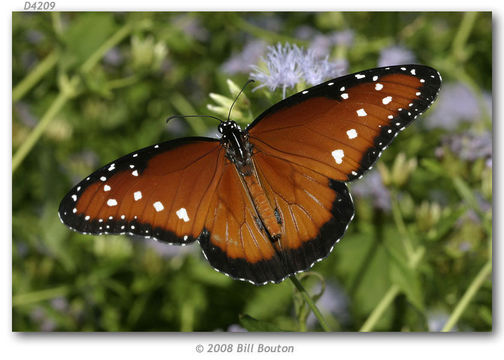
<point>263,207</point>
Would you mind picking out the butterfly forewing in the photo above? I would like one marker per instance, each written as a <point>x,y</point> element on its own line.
<point>339,128</point>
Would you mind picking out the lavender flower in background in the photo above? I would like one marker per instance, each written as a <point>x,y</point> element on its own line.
<point>236,328</point>
<point>39,315</point>
<point>288,64</point>
<point>25,114</point>
<point>59,303</point>
<point>343,38</point>
<point>34,37</point>
<point>241,62</point>
<point>322,44</point>
<point>371,187</point>
<point>395,55</point>
<point>469,146</point>
<point>169,251</point>
<point>113,57</point>
<point>192,26</point>
<point>305,32</point>
<point>436,320</point>
<point>457,104</point>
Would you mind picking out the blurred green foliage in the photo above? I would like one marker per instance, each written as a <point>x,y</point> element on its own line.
<point>111,79</point>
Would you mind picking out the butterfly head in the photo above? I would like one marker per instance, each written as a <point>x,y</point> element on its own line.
<point>226,128</point>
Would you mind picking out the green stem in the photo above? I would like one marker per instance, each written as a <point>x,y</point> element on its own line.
<point>106,46</point>
<point>122,82</point>
<point>310,302</point>
<point>378,311</point>
<point>465,28</point>
<point>399,222</point>
<point>389,296</point>
<point>38,296</point>
<point>32,139</point>
<point>34,76</point>
<point>485,271</point>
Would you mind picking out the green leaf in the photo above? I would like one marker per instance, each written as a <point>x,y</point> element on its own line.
<point>261,304</point>
<point>434,167</point>
<point>85,35</point>
<point>403,275</point>
<point>446,224</point>
<point>251,324</point>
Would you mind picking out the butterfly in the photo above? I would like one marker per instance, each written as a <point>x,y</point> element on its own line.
<point>267,201</point>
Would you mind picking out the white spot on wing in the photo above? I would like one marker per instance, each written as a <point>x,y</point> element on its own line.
<point>134,173</point>
<point>360,76</point>
<point>386,100</point>
<point>106,187</point>
<point>182,214</point>
<point>344,96</point>
<point>111,202</point>
<point>352,134</point>
<point>74,197</point>
<point>103,178</point>
<point>111,167</point>
<point>159,207</point>
<point>137,195</point>
<point>338,155</point>
<point>361,112</point>
<point>378,86</point>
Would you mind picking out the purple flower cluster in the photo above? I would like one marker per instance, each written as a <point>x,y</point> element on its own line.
<point>469,146</point>
<point>241,62</point>
<point>457,104</point>
<point>169,251</point>
<point>321,44</point>
<point>371,187</point>
<point>288,64</point>
<point>395,55</point>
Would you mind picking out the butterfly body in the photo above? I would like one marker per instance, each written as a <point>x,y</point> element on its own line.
<point>267,201</point>
<point>239,152</point>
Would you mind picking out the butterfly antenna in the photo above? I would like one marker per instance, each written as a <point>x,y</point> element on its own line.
<point>237,96</point>
<point>190,116</point>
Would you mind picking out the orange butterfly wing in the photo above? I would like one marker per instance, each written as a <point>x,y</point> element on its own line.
<point>162,191</point>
